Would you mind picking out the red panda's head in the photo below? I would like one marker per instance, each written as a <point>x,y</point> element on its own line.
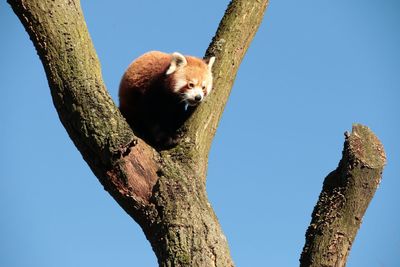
<point>190,77</point>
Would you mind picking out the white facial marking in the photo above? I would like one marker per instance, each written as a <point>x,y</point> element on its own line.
<point>208,89</point>
<point>179,84</point>
<point>191,97</point>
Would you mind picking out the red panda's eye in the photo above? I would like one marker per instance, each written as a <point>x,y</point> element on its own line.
<point>190,85</point>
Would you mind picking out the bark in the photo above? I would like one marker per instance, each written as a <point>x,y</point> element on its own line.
<point>345,196</point>
<point>164,191</point>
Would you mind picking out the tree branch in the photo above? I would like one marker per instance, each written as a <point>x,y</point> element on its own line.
<point>86,110</point>
<point>163,191</point>
<point>345,196</point>
<point>229,45</point>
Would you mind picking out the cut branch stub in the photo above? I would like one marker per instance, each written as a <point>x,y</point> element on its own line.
<point>346,194</point>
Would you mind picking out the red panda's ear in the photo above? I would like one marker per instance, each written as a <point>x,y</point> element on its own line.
<point>177,61</point>
<point>210,62</point>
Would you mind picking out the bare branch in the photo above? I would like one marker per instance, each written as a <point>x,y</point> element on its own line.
<point>229,45</point>
<point>345,196</point>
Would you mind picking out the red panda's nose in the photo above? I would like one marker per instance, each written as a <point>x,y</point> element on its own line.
<point>198,98</point>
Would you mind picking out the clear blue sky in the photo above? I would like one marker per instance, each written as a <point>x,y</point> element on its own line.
<point>314,68</point>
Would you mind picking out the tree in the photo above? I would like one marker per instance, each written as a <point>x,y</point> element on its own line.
<point>164,191</point>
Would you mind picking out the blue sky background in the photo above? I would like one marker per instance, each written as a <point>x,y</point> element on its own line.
<point>314,68</point>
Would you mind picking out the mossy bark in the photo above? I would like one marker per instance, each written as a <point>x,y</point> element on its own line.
<point>164,191</point>
<point>345,196</point>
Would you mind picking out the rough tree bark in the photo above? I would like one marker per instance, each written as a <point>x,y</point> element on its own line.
<point>164,191</point>
<point>345,196</point>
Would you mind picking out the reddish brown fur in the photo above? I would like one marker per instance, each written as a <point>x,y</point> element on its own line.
<point>141,74</point>
<point>147,97</point>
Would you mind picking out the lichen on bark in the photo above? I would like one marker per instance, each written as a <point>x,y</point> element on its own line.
<point>345,196</point>
<point>164,191</point>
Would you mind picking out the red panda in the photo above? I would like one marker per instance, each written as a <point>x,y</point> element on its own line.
<point>156,90</point>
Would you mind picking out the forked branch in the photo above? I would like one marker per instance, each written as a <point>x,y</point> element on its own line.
<point>164,192</point>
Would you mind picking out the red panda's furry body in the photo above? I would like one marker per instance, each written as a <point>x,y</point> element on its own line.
<point>156,89</point>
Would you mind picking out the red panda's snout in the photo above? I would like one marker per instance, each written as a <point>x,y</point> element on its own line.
<point>193,95</point>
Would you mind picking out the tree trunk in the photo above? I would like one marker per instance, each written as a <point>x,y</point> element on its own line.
<point>164,191</point>
<point>345,196</point>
